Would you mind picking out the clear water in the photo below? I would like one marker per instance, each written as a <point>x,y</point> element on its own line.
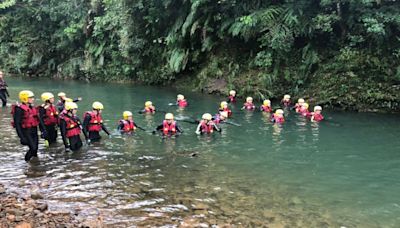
<point>342,172</point>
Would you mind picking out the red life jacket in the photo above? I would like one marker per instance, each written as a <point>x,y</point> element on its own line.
<point>286,103</point>
<point>207,127</point>
<point>278,119</point>
<point>265,108</point>
<point>226,110</point>
<point>317,117</point>
<point>182,103</point>
<point>232,99</point>
<point>249,106</point>
<point>51,115</point>
<point>304,112</point>
<point>169,128</point>
<point>30,118</point>
<point>150,109</point>
<point>73,126</point>
<point>95,121</point>
<point>129,126</point>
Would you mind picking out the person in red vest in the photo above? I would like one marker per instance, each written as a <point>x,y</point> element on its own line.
<point>62,99</point>
<point>266,106</point>
<point>224,108</point>
<point>316,116</point>
<point>278,117</point>
<point>148,108</point>
<point>231,97</point>
<point>304,110</point>
<point>299,104</point>
<point>93,122</point>
<point>249,105</point>
<point>169,126</point>
<point>181,101</point>
<point>48,115</point>
<point>286,102</point>
<point>127,125</point>
<point>26,122</point>
<point>206,125</point>
<point>71,128</point>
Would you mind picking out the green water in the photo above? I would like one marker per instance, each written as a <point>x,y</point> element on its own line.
<point>342,172</point>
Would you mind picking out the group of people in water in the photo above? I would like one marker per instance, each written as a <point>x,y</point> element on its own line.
<point>51,116</point>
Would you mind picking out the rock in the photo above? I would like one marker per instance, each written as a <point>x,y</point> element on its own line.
<point>199,206</point>
<point>23,225</point>
<point>42,206</point>
<point>18,218</point>
<point>2,190</point>
<point>36,212</point>
<point>29,210</point>
<point>11,218</point>
<point>36,195</point>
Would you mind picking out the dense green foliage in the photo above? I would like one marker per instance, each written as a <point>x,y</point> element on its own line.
<point>341,52</point>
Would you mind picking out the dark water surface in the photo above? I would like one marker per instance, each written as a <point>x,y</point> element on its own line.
<point>342,172</point>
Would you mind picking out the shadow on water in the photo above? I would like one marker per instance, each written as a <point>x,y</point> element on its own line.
<point>342,172</point>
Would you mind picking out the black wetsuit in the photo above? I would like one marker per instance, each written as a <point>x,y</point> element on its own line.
<point>28,136</point>
<point>51,129</point>
<point>3,92</point>
<point>121,126</point>
<point>74,143</point>
<point>93,135</point>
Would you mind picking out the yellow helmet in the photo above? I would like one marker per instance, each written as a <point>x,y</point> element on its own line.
<point>286,97</point>
<point>148,103</point>
<point>249,99</point>
<point>180,97</point>
<point>232,92</point>
<point>61,94</point>
<point>301,101</point>
<point>224,114</point>
<point>46,96</point>
<point>169,116</point>
<point>126,114</point>
<point>317,108</point>
<point>70,106</point>
<point>305,105</point>
<point>267,102</point>
<point>279,112</point>
<point>66,99</point>
<point>24,95</point>
<point>206,116</point>
<point>223,104</point>
<point>97,105</point>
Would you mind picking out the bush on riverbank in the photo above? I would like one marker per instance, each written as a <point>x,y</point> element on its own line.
<point>339,53</point>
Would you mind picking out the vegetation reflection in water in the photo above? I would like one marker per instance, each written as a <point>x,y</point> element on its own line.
<point>342,172</point>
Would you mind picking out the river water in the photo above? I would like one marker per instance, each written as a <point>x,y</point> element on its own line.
<point>341,172</point>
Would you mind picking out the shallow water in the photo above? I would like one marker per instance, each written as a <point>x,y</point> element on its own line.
<point>342,172</point>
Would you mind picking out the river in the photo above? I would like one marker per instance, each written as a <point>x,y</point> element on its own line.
<point>341,172</point>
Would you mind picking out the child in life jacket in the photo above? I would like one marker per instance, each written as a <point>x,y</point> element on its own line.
<point>286,101</point>
<point>248,105</point>
<point>93,122</point>
<point>298,105</point>
<point>206,125</point>
<point>224,108</point>
<point>278,117</point>
<point>48,115</point>
<point>304,110</point>
<point>71,128</point>
<point>266,106</point>
<point>231,97</point>
<point>181,101</point>
<point>316,116</point>
<point>148,108</point>
<point>127,125</point>
<point>169,126</point>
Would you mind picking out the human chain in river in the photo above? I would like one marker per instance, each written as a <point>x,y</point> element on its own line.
<point>49,117</point>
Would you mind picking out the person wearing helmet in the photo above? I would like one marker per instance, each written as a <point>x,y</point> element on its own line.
<point>3,90</point>
<point>266,106</point>
<point>48,115</point>
<point>304,110</point>
<point>278,117</point>
<point>26,120</point>
<point>248,105</point>
<point>286,101</point>
<point>224,108</point>
<point>316,116</point>
<point>231,97</point>
<point>206,125</point>
<point>148,108</point>
<point>181,101</point>
<point>71,128</point>
<point>127,125</point>
<point>220,117</point>
<point>93,122</point>
<point>62,99</point>
<point>298,105</point>
<point>169,125</point>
